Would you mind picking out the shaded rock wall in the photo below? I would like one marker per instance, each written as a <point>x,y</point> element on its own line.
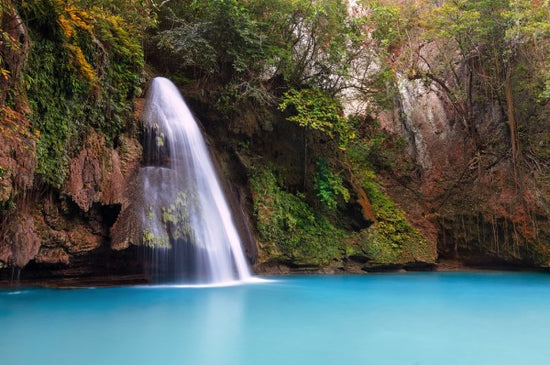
<point>465,191</point>
<point>54,227</point>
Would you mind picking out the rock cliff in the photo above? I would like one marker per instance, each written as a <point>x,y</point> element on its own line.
<point>442,165</point>
<point>466,190</point>
<point>54,231</point>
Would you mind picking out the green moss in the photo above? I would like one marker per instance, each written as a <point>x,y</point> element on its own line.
<point>83,71</point>
<point>152,240</point>
<point>176,217</point>
<point>392,239</point>
<point>171,222</point>
<point>290,229</point>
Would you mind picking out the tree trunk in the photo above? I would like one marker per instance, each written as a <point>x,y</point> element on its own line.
<point>511,121</point>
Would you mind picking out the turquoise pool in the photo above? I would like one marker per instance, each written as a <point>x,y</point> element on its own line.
<point>410,318</point>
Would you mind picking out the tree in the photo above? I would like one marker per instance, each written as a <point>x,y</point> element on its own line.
<point>256,50</point>
<point>503,46</point>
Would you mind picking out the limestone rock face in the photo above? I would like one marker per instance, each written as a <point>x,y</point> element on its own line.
<point>52,256</point>
<point>40,223</point>
<point>17,154</point>
<point>464,193</point>
<point>58,227</point>
<point>127,229</point>
<point>79,220</point>
<point>129,152</point>
<point>20,243</point>
<point>98,173</point>
<point>82,240</point>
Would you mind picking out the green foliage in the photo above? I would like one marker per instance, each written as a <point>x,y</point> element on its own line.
<point>251,51</point>
<point>84,70</point>
<point>530,30</point>
<point>314,109</point>
<point>461,20</point>
<point>329,186</point>
<point>497,38</point>
<point>217,40</point>
<point>387,25</point>
<point>292,231</point>
<point>504,46</point>
<point>212,36</point>
<point>56,119</point>
<point>392,240</point>
<point>378,150</point>
<point>494,23</point>
<point>289,227</point>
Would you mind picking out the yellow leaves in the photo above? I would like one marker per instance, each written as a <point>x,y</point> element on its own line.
<point>115,20</point>
<point>81,64</point>
<point>80,18</point>
<point>96,24</point>
<point>72,19</point>
<point>66,27</point>
<point>4,73</point>
<point>14,126</point>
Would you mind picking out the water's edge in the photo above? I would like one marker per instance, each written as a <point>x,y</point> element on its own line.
<point>8,278</point>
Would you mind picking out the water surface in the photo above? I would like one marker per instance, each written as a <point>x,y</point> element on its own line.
<point>424,318</point>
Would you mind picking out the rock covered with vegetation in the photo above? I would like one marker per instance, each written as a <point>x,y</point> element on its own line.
<point>359,134</point>
<point>406,130</point>
<point>70,73</point>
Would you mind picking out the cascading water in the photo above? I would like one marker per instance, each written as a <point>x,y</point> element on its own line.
<point>185,219</point>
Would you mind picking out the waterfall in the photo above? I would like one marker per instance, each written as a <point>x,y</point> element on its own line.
<point>186,220</point>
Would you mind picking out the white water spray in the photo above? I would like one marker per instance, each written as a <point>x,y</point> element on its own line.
<point>186,219</point>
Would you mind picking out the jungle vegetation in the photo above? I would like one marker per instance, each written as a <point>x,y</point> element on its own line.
<point>302,61</point>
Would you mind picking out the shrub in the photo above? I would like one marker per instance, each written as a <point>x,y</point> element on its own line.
<point>289,228</point>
